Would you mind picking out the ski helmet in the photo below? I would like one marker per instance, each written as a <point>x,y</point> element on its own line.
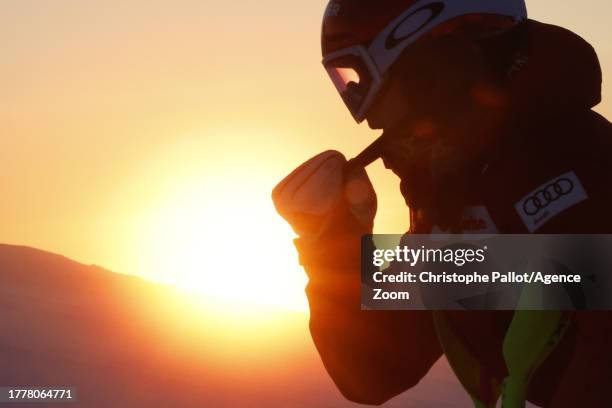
<point>362,39</point>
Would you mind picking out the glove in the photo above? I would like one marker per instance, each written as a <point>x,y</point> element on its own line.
<point>323,197</point>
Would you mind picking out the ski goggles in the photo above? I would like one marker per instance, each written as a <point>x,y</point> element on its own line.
<point>358,71</point>
<point>356,78</point>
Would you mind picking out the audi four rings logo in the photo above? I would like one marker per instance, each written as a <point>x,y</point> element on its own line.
<point>548,195</point>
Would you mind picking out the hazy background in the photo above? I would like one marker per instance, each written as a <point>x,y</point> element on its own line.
<point>146,136</point>
<point>135,133</point>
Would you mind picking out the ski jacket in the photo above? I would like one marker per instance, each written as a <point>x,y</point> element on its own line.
<point>549,173</point>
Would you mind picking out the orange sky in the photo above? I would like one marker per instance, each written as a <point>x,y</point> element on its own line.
<point>145,136</point>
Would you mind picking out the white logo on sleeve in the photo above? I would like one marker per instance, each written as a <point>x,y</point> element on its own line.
<point>550,199</point>
<point>475,219</point>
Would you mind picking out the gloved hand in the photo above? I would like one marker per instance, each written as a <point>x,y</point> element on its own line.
<point>321,197</point>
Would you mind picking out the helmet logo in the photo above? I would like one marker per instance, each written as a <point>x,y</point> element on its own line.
<point>413,23</point>
<point>333,8</point>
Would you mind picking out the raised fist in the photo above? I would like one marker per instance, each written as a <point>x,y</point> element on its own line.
<point>323,195</point>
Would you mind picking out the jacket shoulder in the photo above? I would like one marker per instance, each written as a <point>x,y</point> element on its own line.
<point>555,177</point>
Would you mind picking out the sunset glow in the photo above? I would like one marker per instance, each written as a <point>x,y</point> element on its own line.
<point>217,249</point>
<point>148,142</point>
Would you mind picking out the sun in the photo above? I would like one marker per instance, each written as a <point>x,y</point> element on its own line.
<point>228,246</point>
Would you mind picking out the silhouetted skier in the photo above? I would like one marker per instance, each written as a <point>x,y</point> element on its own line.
<point>488,123</point>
